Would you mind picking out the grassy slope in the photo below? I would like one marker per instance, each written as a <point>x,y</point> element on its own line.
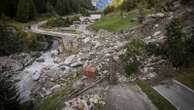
<point>186,77</point>
<point>116,22</point>
<point>155,97</point>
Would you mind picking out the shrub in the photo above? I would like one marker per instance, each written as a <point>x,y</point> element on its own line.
<point>134,55</point>
<point>155,48</point>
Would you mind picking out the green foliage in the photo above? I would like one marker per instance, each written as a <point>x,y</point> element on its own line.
<point>8,98</point>
<point>154,49</point>
<point>117,22</point>
<point>61,22</point>
<point>108,9</point>
<point>175,46</point>
<point>187,78</point>
<point>152,3</point>
<point>15,42</point>
<point>128,5</point>
<point>155,97</point>
<point>8,7</point>
<point>190,40</point>
<point>26,10</point>
<point>65,7</point>
<point>41,6</point>
<point>84,12</point>
<point>134,56</point>
<point>10,41</point>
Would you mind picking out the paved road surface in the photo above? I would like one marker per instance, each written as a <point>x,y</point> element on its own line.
<point>181,97</point>
<point>35,29</point>
<point>127,97</point>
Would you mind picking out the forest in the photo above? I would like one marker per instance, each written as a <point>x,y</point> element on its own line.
<point>25,10</point>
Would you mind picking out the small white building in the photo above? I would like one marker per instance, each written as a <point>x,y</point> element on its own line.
<point>95,16</point>
<point>91,18</point>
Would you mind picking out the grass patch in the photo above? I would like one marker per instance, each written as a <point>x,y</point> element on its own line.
<point>186,76</point>
<point>118,21</point>
<point>187,79</point>
<point>18,25</point>
<point>158,100</point>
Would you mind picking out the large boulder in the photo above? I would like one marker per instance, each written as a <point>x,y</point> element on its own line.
<point>36,76</point>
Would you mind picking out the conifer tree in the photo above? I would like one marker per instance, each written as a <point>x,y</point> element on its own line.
<point>175,45</point>
<point>40,5</point>
<point>63,7</point>
<point>26,10</point>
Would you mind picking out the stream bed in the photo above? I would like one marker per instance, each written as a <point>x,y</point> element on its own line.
<point>29,76</point>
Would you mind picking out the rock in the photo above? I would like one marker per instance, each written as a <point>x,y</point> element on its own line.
<point>157,15</point>
<point>105,71</point>
<point>36,76</point>
<point>90,72</point>
<point>97,44</point>
<point>116,58</point>
<point>157,33</point>
<point>76,64</point>
<point>160,15</point>
<point>86,40</point>
<point>156,25</point>
<point>56,87</point>
<point>54,53</point>
<point>78,85</point>
<point>47,92</point>
<point>41,60</point>
<point>69,60</point>
<point>63,67</point>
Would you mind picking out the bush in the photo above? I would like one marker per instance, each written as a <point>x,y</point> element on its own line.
<point>134,56</point>
<point>154,49</point>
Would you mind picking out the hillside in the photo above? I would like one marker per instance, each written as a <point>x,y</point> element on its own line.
<point>117,55</point>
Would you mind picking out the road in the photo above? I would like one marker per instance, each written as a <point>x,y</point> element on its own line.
<point>127,97</point>
<point>35,29</point>
<point>176,93</point>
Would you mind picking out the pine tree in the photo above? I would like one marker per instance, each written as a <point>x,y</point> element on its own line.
<point>26,10</point>
<point>75,5</point>
<point>40,5</point>
<point>175,45</point>
<point>63,7</point>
